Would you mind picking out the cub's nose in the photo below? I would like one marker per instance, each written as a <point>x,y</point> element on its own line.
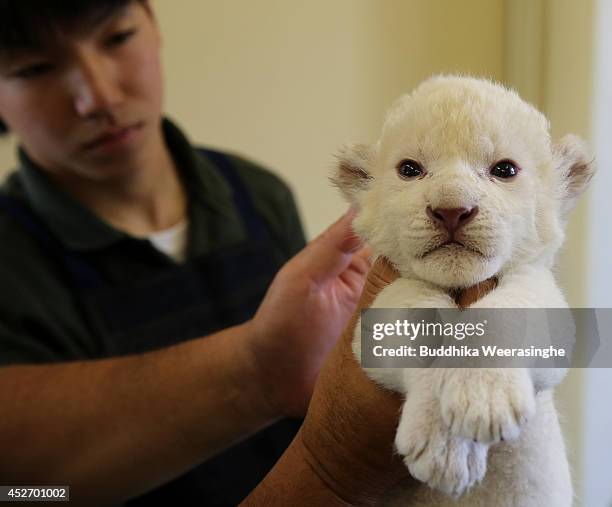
<point>452,219</point>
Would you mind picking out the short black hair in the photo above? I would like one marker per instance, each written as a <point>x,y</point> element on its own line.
<point>33,24</point>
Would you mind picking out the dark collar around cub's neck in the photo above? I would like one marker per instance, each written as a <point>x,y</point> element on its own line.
<point>467,296</point>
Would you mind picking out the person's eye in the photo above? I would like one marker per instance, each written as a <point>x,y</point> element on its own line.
<point>34,70</point>
<point>119,38</point>
<point>410,169</point>
<point>504,169</point>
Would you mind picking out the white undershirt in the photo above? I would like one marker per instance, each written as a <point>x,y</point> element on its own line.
<point>172,241</point>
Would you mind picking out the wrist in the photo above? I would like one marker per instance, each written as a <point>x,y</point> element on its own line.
<point>264,392</point>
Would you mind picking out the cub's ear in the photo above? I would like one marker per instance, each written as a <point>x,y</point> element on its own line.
<point>353,171</point>
<point>575,164</point>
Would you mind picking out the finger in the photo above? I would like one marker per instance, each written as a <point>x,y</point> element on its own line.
<point>365,254</point>
<point>341,235</point>
<point>329,254</point>
<point>381,274</point>
<point>355,274</point>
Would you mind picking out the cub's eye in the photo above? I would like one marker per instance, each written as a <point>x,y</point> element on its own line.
<point>504,169</point>
<point>409,169</point>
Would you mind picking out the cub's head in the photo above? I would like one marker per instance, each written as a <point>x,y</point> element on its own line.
<point>464,183</point>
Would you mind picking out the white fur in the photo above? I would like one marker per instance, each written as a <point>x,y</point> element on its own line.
<point>476,437</point>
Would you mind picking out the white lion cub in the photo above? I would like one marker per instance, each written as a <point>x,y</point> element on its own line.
<point>463,185</point>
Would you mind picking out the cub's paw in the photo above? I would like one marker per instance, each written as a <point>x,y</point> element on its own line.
<point>434,456</point>
<point>486,405</point>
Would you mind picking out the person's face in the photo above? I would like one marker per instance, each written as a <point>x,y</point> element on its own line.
<point>91,105</point>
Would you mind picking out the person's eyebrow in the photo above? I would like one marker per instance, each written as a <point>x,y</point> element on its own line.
<point>106,21</point>
<point>9,56</point>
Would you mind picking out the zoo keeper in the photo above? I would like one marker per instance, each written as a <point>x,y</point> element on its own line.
<point>161,324</point>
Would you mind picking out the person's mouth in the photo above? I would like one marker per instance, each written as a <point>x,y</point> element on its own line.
<point>114,136</point>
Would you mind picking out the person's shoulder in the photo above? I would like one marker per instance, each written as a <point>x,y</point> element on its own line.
<point>12,185</point>
<point>21,252</point>
<point>272,198</point>
<point>267,188</point>
<point>12,196</point>
<point>257,176</point>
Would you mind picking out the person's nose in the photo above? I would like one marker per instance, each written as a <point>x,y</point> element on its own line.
<point>96,91</point>
<point>452,219</point>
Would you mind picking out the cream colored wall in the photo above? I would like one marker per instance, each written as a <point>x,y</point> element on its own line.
<point>7,155</point>
<point>568,95</point>
<point>288,82</point>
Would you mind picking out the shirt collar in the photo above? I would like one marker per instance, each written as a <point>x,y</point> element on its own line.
<point>78,228</point>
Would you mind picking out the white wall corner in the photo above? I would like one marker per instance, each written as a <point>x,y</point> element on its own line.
<point>598,411</point>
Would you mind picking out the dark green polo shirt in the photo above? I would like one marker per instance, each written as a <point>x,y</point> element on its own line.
<point>40,317</point>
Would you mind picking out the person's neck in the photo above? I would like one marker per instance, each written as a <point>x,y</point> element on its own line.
<point>149,198</point>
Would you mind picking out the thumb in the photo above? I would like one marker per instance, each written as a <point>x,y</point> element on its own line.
<point>330,253</point>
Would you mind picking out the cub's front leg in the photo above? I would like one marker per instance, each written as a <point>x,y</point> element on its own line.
<point>486,404</point>
<point>434,455</point>
<point>431,453</point>
<point>492,404</point>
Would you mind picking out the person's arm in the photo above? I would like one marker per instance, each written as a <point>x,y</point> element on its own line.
<point>115,428</point>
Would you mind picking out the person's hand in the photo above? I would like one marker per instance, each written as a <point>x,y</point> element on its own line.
<point>349,430</point>
<point>304,312</point>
